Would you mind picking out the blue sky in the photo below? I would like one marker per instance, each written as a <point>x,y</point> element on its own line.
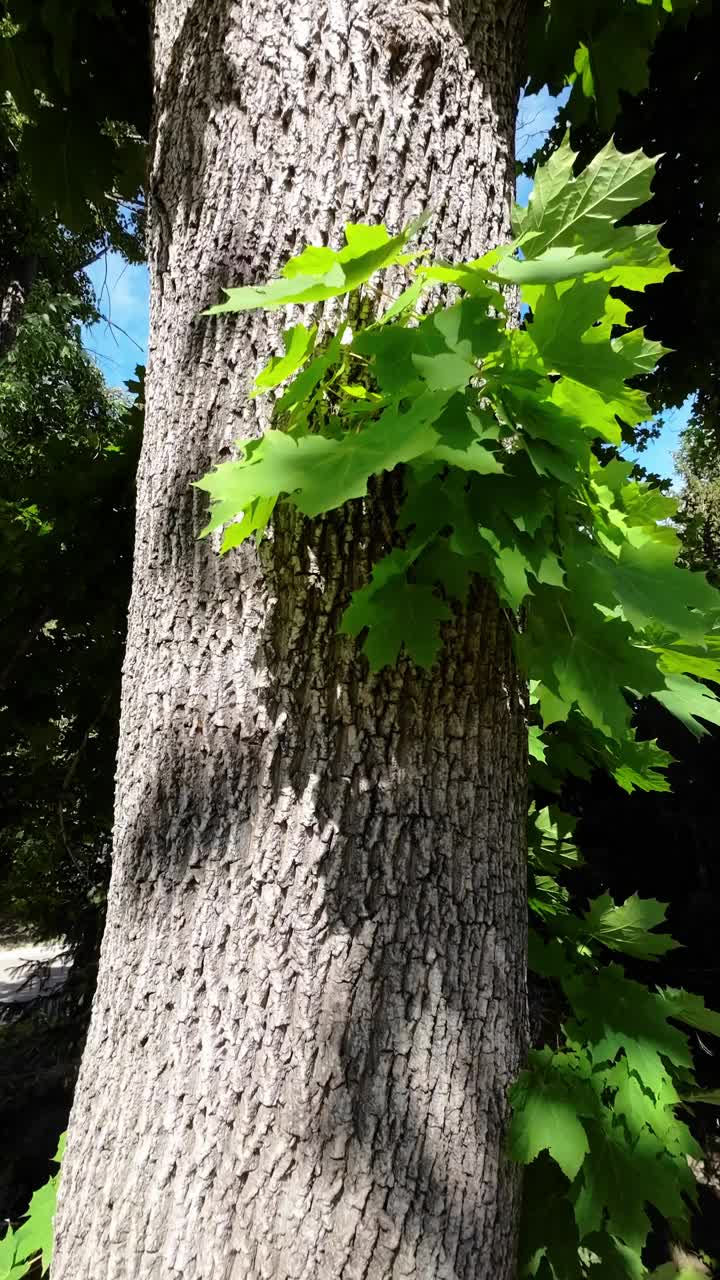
<point>119,341</point>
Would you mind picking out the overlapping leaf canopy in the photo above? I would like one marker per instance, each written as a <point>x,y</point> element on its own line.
<point>600,48</point>
<point>78,71</point>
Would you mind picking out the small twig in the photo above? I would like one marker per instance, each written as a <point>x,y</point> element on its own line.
<point>114,325</point>
<point>567,624</point>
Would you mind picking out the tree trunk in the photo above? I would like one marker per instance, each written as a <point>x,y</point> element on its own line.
<point>312,989</point>
<point>17,277</point>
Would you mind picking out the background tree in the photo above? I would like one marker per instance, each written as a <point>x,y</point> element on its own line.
<point>71,161</point>
<point>698,463</point>
<point>79,76</point>
<point>69,449</point>
<point>66,506</point>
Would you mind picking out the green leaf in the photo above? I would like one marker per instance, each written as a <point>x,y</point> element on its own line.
<point>473,277</point>
<point>36,1233</point>
<point>566,336</point>
<point>400,615</point>
<point>442,351</point>
<point>616,60</point>
<point>626,927</point>
<point>536,744</point>
<point>550,182</point>
<point>616,1261</point>
<point>652,589</point>
<point>299,343</point>
<point>614,1014</point>
<point>7,1254</point>
<point>634,266</point>
<point>678,661</point>
<point>543,419</point>
<point>561,262</point>
<point>687,700</point>
<point>690,1009</point>
<point>640,765</point>
<point>255,520</point>
<point>439,565</point>
<point>636,1106</point>
<point>583,69</point>
<point>600,412</point>
<point>547,1100</point>
<point>547,1230</point>
<point>404,302</point>
<point>550,839</point>
<point>319,273</point>
<point>584,663</point>
<point>567,211</point>
<point>609,1186</point>
<point>547,959</point>
<point>668,1178</point>
<point>318,472</point>
<point>638,1155</point>
<point>471,455</point>
<point>642,504</point>
<point>300,395</point>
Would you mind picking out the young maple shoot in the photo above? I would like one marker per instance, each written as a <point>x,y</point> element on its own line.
<point>495,427</point>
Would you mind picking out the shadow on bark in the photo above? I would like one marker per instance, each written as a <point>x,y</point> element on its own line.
<point>343,897</point>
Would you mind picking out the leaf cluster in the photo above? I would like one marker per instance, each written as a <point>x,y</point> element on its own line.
<point>597,1115</point>
<point>495,426</point>
<point>662,112</point>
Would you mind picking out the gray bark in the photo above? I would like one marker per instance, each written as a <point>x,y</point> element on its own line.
<point>312,988</point>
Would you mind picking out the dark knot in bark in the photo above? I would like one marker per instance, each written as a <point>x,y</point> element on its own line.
<point>409,33</point>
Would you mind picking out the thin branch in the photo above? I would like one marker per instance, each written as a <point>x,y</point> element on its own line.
<point>114,325</point>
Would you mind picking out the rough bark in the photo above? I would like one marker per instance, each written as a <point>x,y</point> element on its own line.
<point>312,995</point>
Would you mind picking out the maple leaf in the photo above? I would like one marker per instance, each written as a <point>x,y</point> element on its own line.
<point>548,1099</point>
<point>614,1014</point>
<point>627,927</point>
